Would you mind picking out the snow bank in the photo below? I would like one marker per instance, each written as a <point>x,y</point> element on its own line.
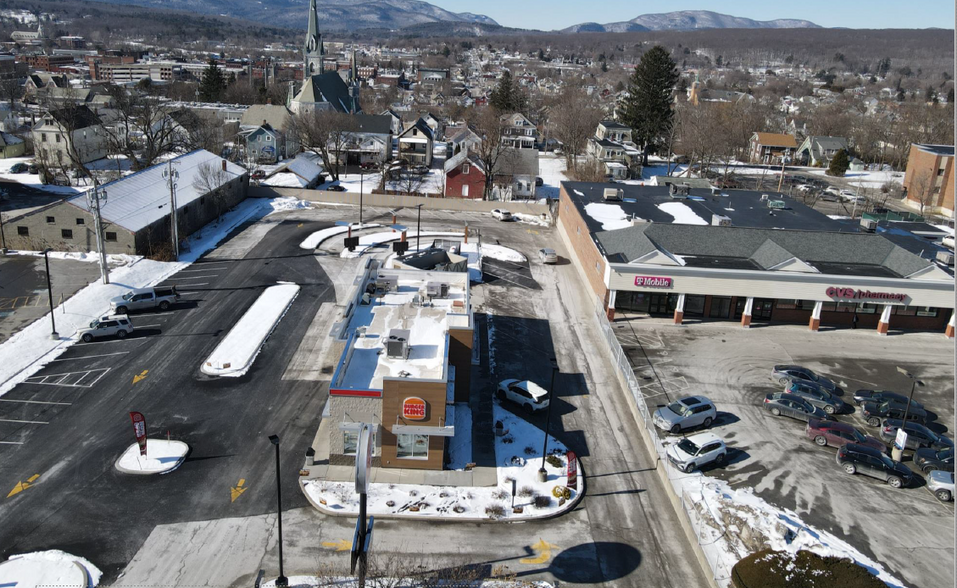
<point>502,253</point>
<point>531,219</point>
<point>162,456</point>
<point>460,446</point>
<point>518,457</point>
<point>251,209</point>
<point>471,252</point>
<point>316,239</point>
<point>682,213</point>
<point>235,354</point>
<point>369,241</point>
<point>49,568</point>
<point>93,256</point>
<point>611,216</point>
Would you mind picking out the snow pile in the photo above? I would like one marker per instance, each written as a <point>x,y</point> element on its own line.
<point>611,216</point>
<point>471,252</point>
<point>551,169</point>
<point>531,219</point>
<point>49,568</point>
<point>316,239</point>
<point>162,456</point>
<point>502,253</point>
<point>739,523</point>
<point>682,213</point>
<point>93,256</point>
<point>518,456</point>
<point>460,446</point>
<point>367,242</point>
<point>288,203</point>
<point>235,354</point>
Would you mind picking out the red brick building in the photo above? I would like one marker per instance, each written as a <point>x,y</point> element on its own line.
<point>930,178</point>
<point>464,177</point>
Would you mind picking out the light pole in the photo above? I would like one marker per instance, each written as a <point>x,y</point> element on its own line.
<point>542,472</point>
<point>3,239</point>
<point>94,200</point>
<point>281,581</point>
<point>361,188</point>
<point>914,383</point>
<point>172,178</point>
<point>418,227</point>
<point>46,259</point>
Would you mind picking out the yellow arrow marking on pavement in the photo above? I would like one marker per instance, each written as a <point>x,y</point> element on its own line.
<point>340,545</point>
<point>236,492</point>
<point>544,550</point>
<point>299,226</point>
<point>141,376</point>
<point>532,231</point>
<point>21,486</point>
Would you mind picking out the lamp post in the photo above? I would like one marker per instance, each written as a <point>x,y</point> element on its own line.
<point>172,179</point>
<point>3,239</point>
<point>281,581</point>
<point>418,227</point>
<point>46,259</point>
<point>914,383</point>
<point>542,472</point>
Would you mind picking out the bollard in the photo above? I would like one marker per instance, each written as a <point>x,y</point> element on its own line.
<point>310,456</point>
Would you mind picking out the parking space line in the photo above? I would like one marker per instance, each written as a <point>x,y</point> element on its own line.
<point>204,269</point>
<point>189,291</point>
<point>11,442</point>
<point>37,402</point>
<point>99,342</point>
<point>25,422</point>
<point>89,356</point>
<point>68,377</point>
<point>191,278</point>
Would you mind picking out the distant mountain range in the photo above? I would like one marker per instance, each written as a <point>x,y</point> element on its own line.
<point>334,15</point>
<point>687,20</point>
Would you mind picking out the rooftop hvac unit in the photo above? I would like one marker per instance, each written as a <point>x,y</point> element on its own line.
<point>764,197</point>
<point>777,204</point>
<point>718,220</point>
<point>869,225</point>
<point>945,257</point>
<point>397,345</point>
<point>386,283</point>
<point>679,190</point>
<point>437,290</point>
<point>612,194</point>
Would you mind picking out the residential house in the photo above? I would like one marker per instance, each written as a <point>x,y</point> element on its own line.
<point>305,171</point>
<point>464,176</point>
<point>395,121</point>
<point>613,147</point>
<point>519,132</point>
<point>611,155</point>
<point>267,129</point>
<point>416,143</point>
<point>460,138</point>
<point>514,174</point>
<point>11,146</point>
<point>136,213</point>
<point>771,148</point>
<point>370,142</point>
<point>36,83</point>
<point>818,150</point>
<point>929,179</point>
<point>62,130</point>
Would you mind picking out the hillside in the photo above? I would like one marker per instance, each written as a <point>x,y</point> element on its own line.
<point>687,20</point>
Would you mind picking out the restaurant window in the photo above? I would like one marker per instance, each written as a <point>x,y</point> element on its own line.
<point>350,442</point>
<point>412,446</point>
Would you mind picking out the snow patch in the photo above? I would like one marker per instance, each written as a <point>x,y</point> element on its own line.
<point>316,239</point>
<point>47,568</point>
<point>682,213</point>
<point>162,457</point>
<point>611,216</point>
<point>502,253</point>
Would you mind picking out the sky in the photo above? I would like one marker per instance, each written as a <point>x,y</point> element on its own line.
<point>864,14</point>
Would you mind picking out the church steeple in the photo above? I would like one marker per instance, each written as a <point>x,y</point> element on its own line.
<point>313,50</point>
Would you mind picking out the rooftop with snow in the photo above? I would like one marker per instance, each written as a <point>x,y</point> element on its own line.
<point>418,306</point>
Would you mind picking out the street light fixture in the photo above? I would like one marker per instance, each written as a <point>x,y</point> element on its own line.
<point>542,472</point>
<point>418,227</point>
<point>281,581</point>
<point>46,259</point>
<point>914,383</point>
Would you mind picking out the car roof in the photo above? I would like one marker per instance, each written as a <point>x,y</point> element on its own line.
<point>693,400</point>
<point>858,448</point>
<point>702,438</point>
<point>902,406</point>
<point>786,396</point>
<point>789,367</point>
<point>835,425</point>
<point>114,317</point>
<point>532,388</point>
<point>913,426</point>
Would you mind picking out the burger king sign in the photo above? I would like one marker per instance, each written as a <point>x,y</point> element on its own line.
<point>413,408</point>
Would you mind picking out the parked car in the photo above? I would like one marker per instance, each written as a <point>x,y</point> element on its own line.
<point>117,325</point>
<point>858,459</point>
<point>419,169</point>
<point>19,168</point>
<point>880,396</point>
<point>785,373</point>
<point>258,175</point>
<point>529,395</point>
<point>782,403</point>
<point>144,299</point>
<point>917,435</point>
<point>874,413</point>
<point>685,413</point>
<point>837,434</point>
<point>539,182</point>
<point>336,188</point>
<point>501,214</point>
<point>548,255</point>
<point>697,450</point>
<point>928,459</point>
<point>941,484</point>
<point>815,395</point>
<point>34,169</point>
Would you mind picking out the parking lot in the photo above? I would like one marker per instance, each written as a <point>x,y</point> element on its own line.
<point>907,530</point>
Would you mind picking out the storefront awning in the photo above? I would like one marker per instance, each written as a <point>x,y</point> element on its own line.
<point>420,430</point>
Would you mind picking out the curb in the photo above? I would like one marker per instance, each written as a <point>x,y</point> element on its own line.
<point>568,506</point>
<point>180,462</point>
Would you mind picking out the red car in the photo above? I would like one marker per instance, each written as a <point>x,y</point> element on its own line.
<point>838,434</point>
<point>258,174</point>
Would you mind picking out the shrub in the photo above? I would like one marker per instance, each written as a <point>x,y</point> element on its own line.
<point>526,491</point>
<point>778,569</point>
<point>529,450</point>
<point>554,461</point>
<point>542,501</point>
<point>500,495</point>
<point>496,511</point>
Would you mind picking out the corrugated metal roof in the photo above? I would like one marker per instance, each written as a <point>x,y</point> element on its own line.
<point>140,199</point>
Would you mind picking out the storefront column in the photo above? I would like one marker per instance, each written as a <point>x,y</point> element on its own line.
<point>610,309</point>
<point>815,323</point>
<point>746,313</point>
<point>680,309</point>
<point>949,332</point>
<point>885,322</point>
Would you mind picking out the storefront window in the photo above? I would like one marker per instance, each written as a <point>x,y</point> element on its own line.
<point>694,305</point>
<point>412,446</point>
<point>904,310</point>
<point>866,308</point>
<point>806,304</point>
<point>786,304</point>
<point>720,307</point>
<point>350,442</point>
<point>926,311</point>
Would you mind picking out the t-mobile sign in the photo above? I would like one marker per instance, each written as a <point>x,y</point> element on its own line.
<point>653,282</point>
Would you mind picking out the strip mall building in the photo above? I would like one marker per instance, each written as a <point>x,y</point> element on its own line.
<point>770,273</point>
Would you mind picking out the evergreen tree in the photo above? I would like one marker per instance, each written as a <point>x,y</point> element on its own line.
<point>213,84</point>
<point>648,107</point>
<point>507,96</point>
<point>839,164</point>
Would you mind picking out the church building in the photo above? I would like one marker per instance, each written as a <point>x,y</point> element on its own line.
<point>323,90</point>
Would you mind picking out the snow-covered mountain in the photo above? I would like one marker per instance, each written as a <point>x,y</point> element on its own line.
<point>686,20</point>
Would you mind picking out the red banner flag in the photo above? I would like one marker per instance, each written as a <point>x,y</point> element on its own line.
<point>139,429</point>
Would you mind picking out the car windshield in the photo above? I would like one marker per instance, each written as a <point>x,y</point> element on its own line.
<point>946,454</point>
<point>94,324</point>
<point>887,461</point>
<point>127,296</point>
<point>688,447</point>
<point>858,436</point>
<point>678,408</point>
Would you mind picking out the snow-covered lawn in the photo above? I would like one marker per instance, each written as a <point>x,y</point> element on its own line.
<point>551,168</point>
<point>316,239</point>
<point>611,216</point>
<point>235,354</point>
<point>431,183</point>
<point>43,569</point>
<point>162,456</point>
<point>682,213</point>
<point>32,180</point>
<point>518,454</point>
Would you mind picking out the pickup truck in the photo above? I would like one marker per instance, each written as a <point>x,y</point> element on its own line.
<point>145,298</point>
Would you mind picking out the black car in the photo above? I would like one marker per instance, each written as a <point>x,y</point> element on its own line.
<point>874,413</point>
<point>917,435</point>
<point>539,182</point>
<point>928,459</point>
<point>19,168</point>
<point>881,396</point>
<point>858,459</point>
<point>336,188</point>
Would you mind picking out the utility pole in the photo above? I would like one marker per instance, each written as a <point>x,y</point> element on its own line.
<point>93,201</point>
<point>3,240</point>
<point>542,472</point>
<point>781,181</point>
<point>172,177</point>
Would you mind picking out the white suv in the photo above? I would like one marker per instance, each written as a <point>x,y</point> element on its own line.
<point>107,326</point>
<point>697,450</point>
<point>502,214</point>
<point>528,395</point>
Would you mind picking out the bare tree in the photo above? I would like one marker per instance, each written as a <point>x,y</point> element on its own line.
<point>919,190</point>
<point>211,179</point>
<point>11,90</point>
<point>575,118</point>
<point>488,125</point>
<point>82,136</point>
<point>143,130</point>
<point>325,133</point>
